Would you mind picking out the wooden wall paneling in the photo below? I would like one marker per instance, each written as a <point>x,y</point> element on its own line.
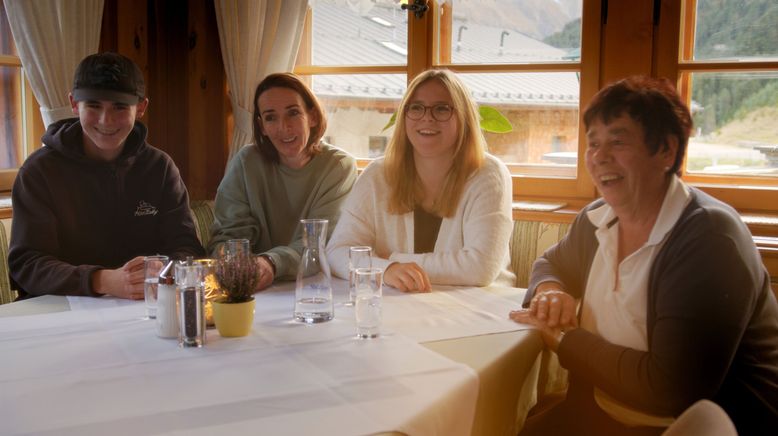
<point>108,27</point>
<point>124,30</point>
<point>196,90</point>
<point>169,106</point>
<point>215,156</point>
<point>158,88</point>
<point>591,41</point>
<point>420,54</point>
<point>626,40</point>
<point>132,29</point>
<point>444,27</point>
<point>176,44</point>
<point>208,142</point>
<point>667,38</point>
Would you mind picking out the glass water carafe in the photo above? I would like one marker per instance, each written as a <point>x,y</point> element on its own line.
<point>313,292</point>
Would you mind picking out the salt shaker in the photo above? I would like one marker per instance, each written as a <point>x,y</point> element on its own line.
<point>167,315</point>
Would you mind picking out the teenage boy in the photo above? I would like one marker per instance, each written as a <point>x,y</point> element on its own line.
<point>97,197</point>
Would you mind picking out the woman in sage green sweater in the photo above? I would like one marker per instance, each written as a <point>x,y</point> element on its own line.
<point>287,174</point>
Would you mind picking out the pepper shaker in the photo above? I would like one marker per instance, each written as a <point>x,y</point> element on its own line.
<point>189,281</point>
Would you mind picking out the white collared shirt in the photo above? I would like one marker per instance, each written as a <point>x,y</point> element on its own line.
<point>616,298</point>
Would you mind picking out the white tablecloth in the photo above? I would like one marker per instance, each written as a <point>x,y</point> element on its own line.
<point>103,371</point>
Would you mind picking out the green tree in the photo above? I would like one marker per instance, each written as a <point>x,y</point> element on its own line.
<point>569,37</point>
<point>728,29</point>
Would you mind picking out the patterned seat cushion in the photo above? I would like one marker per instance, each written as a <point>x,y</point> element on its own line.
<point>202,214</point>
<point>528,241</point>
<point>7,294</point>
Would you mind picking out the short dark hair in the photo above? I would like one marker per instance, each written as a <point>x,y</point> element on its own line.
<point>293,82</point>
<point>654,104</point>
<point>108,76</point>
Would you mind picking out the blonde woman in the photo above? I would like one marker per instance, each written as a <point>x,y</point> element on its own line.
<point>437,208</point>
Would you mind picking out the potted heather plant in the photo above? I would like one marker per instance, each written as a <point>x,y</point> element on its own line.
<point>238,276</point>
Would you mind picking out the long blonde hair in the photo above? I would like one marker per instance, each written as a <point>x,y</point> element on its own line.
<point>469,150</point>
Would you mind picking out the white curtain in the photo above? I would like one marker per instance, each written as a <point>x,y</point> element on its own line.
<point>52,36</point>
<point>258,37</point>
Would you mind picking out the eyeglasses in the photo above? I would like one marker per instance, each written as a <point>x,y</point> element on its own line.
<point>440,112</point>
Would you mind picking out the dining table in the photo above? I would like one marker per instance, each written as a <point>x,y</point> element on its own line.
<point>447,362</point>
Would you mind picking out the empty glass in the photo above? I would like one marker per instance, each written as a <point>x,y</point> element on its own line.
<point>358,257</point>
<point>367,308</point>
<point>152,266</point>
<point>236,248</point>
<point>313,290</point>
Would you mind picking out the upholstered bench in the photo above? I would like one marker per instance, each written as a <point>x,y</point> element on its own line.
<point>7,294</point>
<point>529,240</point>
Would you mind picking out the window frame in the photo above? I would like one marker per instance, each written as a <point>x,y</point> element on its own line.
<point>305,69</point>
<point>528,184</point>
<point>32,124</point>
<point>670,45</point>
<point>756,194</point>
<point>538,182</point>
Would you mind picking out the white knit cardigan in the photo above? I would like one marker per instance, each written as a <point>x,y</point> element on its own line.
<point>472,245</point>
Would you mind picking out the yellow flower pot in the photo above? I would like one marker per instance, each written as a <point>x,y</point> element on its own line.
<point>233,319</point>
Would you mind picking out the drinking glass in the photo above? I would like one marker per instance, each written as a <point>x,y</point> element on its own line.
<point>152,266</point>
<point>236,248</point>
<point>367,308</point>
<point>358,257</point>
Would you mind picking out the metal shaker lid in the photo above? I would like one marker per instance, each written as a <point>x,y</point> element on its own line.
<point>167,275</point>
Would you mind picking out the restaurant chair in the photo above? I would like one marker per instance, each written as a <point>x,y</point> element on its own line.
<point>703,418</point>
<point>202,215</point>
<point>528,241</point>
<point>7,295</point>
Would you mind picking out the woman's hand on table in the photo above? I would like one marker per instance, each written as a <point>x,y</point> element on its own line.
<point>552,336</point>
<point>552,311</point>
<point>123,282</point>
<point>267,273</point>
<point>407,277</point>
<point>555,307</point>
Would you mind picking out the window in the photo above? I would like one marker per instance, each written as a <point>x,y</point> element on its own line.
<point>16,107</point>
<point>728,71</point>
<point>354,56</point>
<point>734,111</point>
<point>539,63</point>
<point>522,59</point>
<point>377,146</point>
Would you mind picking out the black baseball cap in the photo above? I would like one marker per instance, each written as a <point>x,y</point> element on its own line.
<point>109,76</point>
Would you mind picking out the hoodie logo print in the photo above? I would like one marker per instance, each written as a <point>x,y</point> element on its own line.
<point>145,209</point>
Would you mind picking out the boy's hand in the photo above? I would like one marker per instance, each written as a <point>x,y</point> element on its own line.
<point>124,282</point>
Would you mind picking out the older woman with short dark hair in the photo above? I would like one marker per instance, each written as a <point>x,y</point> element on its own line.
<point>675,304</point>
<point>287,174</point>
